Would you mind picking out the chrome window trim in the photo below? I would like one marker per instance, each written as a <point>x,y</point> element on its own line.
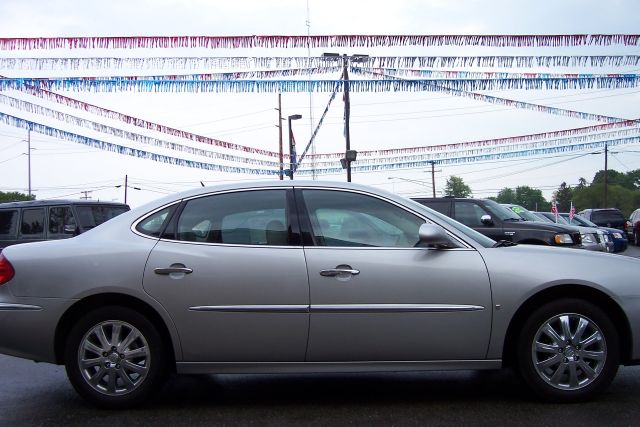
<point>18,307</point>
<point>339,308</point>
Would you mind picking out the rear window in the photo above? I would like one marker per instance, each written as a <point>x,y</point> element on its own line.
<point>607,216</point>
<point>92,216</point>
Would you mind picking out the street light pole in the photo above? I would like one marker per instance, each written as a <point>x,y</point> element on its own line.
<point>292,145</point>
<point>349,155</point>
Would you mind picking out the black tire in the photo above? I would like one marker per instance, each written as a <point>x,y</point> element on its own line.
<point>546,364</point>
<point>115,376</point>
<point>636,238</point>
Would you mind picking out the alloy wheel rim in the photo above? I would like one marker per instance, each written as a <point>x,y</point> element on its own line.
<point>569,351</point>
<point>114,358</point>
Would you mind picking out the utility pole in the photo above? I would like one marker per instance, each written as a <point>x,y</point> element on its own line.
<point>347,112</point>
<point>280,155</point>
<point>433,178</point>
<point>29,158</point>
<point>606,152</point>
<point>126,185</point>
<point>86,194</point>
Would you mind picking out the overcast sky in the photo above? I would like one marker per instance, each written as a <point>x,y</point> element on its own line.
<point>379,120</point>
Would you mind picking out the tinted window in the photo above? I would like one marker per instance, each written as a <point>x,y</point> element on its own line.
<point>8,222</point>
<point>607,216</point>
<point>245,218</point>
<point>154,224</point>
<point>91,216</point>
<point>61,220</point>
<point>32,222</point>
<point>350,219</point>
<point>469,214</point>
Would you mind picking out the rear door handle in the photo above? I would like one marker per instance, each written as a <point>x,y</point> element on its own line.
<point>169,270</point>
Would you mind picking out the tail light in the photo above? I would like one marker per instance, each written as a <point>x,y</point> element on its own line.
<point>6,270</point>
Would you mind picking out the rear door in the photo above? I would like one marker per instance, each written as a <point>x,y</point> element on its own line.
<point>233,277</point>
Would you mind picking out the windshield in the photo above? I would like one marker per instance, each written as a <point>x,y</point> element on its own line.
<point>523,213</point>
<point>500,211</point>
<point>579,220</point>
<point>92,216</point>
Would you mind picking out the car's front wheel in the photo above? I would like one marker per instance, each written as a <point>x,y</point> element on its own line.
<point>568,351</point>
<point>114,357</point>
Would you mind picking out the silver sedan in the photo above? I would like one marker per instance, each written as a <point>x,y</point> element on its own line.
<point>312,277</point>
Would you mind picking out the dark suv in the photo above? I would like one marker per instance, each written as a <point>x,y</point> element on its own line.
<point>22,222</point>
<point>499,223</point>
<point>609,217</point>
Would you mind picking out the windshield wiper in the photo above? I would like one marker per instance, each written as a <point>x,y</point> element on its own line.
<point>503,243</point>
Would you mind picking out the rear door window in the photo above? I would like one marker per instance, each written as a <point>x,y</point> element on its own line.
<point>61,220</point>
<point>32,223</point>
<point>8,223</point>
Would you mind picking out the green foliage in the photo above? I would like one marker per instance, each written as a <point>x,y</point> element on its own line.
<point>525,196</point>
<point>15,197</point>
<point>456,187</point>
<point>563,197</point>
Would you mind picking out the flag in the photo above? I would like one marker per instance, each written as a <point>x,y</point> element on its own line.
<point>572,212</point>
<point>554,210</point>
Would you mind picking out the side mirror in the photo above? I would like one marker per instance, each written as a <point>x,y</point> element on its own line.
<point>486,220</point>
<point>434,235</point>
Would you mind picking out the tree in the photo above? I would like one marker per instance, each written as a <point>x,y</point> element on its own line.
<point>525,196</point>
<point>456,187</point>
<point>506,195</point>
<point>563,197</point>
<point>15,197</point>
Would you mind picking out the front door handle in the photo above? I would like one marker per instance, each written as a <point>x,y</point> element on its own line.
<point>339,271</point>
<point>169,270</point>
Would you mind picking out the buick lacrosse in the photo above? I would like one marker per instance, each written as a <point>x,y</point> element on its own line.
<point>295,276</point>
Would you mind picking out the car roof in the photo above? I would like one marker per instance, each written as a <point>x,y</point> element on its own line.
<point>55,202</point>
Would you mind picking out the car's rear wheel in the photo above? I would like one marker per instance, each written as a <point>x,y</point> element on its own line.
<point>114,357</point>
<point>568,351</point>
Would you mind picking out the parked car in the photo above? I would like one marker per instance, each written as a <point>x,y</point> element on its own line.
<point>37,220</point>
<point>610,217</point>
<point>592,237</point>
<point>499,223</point>
<point>634,229</point>
<point>618,237</point>
<point>295,276</point>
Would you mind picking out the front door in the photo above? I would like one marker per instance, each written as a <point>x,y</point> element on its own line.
<point>375,296</point>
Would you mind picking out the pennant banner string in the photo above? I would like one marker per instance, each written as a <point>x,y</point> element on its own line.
<point>282,86</point>
<point>120,149</point>
<point>244,63</point>
<point>107,146</point>
<point>380,73</point>
<point>514,104</point>
<point>315,41</point>
<point>432,152</point>
<point>131,136</point>
<point>114,115</point>
<point>80,105</point>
